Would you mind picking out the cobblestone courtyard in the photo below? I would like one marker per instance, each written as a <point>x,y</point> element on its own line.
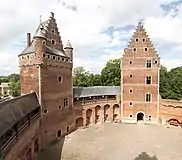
<point>123,142</point>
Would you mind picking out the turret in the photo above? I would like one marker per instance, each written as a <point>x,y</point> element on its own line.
<point>69,50</point>
<point>40,42</point>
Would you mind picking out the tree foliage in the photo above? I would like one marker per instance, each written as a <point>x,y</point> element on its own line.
<point>14,80</point>
<point>111,73</point>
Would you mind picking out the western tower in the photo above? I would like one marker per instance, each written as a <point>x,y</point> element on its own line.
<point>46,69</point>
<point>140,79</point>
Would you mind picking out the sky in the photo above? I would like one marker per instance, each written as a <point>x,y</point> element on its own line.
<point>98,30</point>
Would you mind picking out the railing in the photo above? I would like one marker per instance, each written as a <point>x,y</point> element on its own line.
<point>14,138</point>
<point>93,101</point>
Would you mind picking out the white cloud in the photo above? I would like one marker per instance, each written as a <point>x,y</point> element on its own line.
<point>83,23</point>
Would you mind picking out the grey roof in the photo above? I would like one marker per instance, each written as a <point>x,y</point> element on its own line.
<point>68,45</point>
<point>96,91</point>
<point>13,110</point>
<point>48,49</point>
<point>40,32</point>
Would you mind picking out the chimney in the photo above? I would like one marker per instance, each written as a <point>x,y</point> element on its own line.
<point>52,15</point>
<point>28,39</point>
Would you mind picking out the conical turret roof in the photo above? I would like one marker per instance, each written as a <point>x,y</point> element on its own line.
<point>68,45</point>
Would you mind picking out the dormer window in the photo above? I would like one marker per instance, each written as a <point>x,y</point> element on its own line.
<point>53,42</point>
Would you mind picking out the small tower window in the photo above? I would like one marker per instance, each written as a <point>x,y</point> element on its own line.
<point>136,40</point>
<point>131,76</point>
<point>155,62</point>
<point>131,115</point>
<point>150,118</point>
<point>148,80</point>
<point>131,90</point>
<point>45,111</point>
<point>27,56</point>
<point>53,57</point>
<point>53,42</point>
<point>59,107</point>
<point>60,79</point>
<point>134,49</point>
<point>67,128</point>
<point>44,42</point>
<point>131,103</point>
<point>149,65</point>
<point>59,133</point>
<point>58,58</point>
<point>148,97</point>
<point>48,56</point>
<point>43,55</point>
<point>65,102</point>
<point>53,31</point>
<point>145,49</point>
<point>143,40</point>
<point>62,59</point>
<point>130,62</point>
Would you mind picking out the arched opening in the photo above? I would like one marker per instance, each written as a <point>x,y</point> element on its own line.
<point>106,113</point>
<point>115,113</point>
<point>88,116</point>
<point>36,146</point>
<point>140,116</point>
<point>59,133</point>
<point>29,155</point>
<point>79,122</point>
<point>97,114</point>
<point>174,122</point>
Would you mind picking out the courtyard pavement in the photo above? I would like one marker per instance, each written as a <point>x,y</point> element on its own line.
<point>124,142</point>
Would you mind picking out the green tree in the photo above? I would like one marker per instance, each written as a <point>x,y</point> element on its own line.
<point>80,77</point>
<point>111,73</point>
<point>14,77</point>
<point>14,88</point>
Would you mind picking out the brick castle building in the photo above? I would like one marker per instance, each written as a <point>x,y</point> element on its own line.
<point>50,108</point>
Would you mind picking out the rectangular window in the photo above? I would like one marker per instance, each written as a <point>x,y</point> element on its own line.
<point>148,97</point>
<point>148,80</point>
<point>65,102</point>
<point>149,64</point>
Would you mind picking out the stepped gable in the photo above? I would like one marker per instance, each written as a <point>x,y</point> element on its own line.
<point>140,44</point>
<point>48,30</point>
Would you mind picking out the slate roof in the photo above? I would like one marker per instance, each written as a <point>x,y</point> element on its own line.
<point>79,92</point>
<point>13,110</point>
<point>40,32</point>
<point>31,49</point>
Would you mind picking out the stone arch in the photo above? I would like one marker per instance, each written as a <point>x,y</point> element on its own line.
<point>116,113</point>
<point>36,146</point>
<point>88,117</point>
<point>106,112</point>
<point>174,122</point>
<point>140,116</point>
<point>79,122</point>
<point>97,114</point>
